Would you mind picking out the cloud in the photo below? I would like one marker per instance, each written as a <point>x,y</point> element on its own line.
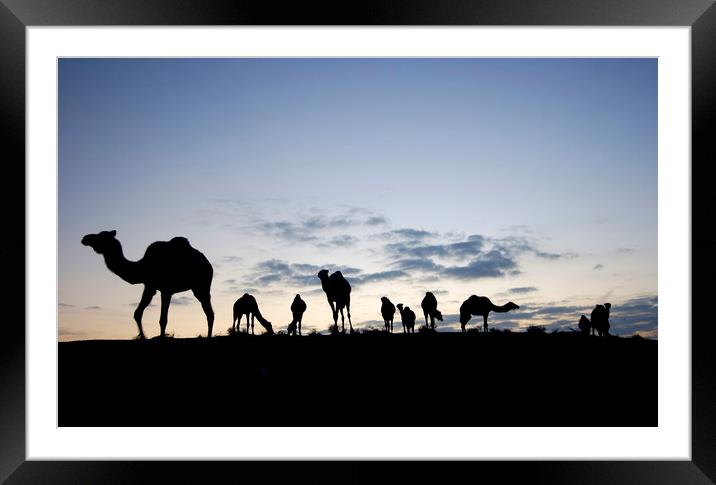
<point>343,241</point>
<point>276,271</point>
<point>486,257</point>
<point>136,304</point>
<point>376,221</point>
<point>93,307</point>
<point>406,233</point>
<point>598,267</point>
<point>310,229</point>
<point>521,290</point>
<point>379,276</point>
<point>63,332</point>
<point>411,249</point>
<point>65,305</point>
<point>491,264</point>
<point>182,300</point>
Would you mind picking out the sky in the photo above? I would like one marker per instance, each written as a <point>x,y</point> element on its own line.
<point>524,180</point>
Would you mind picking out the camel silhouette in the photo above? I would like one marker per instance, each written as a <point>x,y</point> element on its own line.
<point>246,305</point>
<point>387,309</point>
<point>407,316</point>
<point>338,291</point>
<point>167,266</point>
<point>481,305</point>
<point>430,309</point>
<point>584,325</point>
<point>600,319</point>
<point>298,308</point>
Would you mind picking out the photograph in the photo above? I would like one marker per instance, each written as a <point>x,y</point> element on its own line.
<point>357,241</point>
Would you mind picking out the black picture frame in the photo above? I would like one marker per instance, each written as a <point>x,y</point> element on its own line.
<point>16,15</point>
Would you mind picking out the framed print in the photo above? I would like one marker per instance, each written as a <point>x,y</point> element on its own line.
<point>483,211</point>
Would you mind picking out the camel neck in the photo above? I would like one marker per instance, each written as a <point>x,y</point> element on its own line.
<point>501,309</point>
<point>260,317</point>
<point>129,271</point>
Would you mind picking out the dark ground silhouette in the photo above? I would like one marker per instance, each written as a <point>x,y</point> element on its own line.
<point>427,379</point>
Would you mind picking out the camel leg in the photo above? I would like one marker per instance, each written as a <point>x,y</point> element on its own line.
<point>252,324</point>
<point>343,322</point>
<point>348,309</point>
<point>299,325</point>
<point>205,300</point>
<point>146,299</point>
<point>484,327</point>
<point>334,313</point>
<point>164,315</point>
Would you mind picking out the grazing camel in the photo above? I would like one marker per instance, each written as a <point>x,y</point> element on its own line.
<point>600,319</point>
<point>298,308</point>
<point>584,325</point>
<point>387,309</point>
<point>246,305</point>
<point>408,318</point>
<point>430,309</point>
<point>338,291</point>
<point>481,305</point>
<point>167,266</point>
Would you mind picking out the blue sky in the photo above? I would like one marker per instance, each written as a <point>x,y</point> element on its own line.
<point>531,180</point>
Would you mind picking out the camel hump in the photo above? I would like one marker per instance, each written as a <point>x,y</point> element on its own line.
<point>339,281</point>
<point>180,241</point>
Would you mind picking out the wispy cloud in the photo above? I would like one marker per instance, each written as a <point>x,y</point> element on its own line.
<point>182,300</point>
<point>486,257</point>
<point>93,307</point>
<point>313,228</point>
<point>598,267</point>
<point>522,290</point>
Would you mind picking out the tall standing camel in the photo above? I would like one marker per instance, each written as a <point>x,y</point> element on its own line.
<point>481,305</point>
<point>387,309</point>
<point>298,308</point>
<point>246,305</point>
<point>407,316</point>
<point>338,291</point>
<point>430,309</point>
<point>600,319</point>
<point>167,266</point>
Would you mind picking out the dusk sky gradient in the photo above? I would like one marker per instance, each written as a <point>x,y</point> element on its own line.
<point>525,180</point>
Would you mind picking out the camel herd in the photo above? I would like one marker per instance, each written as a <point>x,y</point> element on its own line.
<point>174,266</point>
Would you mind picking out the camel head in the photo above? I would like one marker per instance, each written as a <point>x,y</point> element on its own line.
<point>399,306</point>
<point>464,318</point>
<point>512,306</point>
<point>297,297</point>
<point>323,274</point>
<point>269,328</point>
<point>438,315</point>
<point>384,299</point>
<point>101,242</point>
<point>608,305</point>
